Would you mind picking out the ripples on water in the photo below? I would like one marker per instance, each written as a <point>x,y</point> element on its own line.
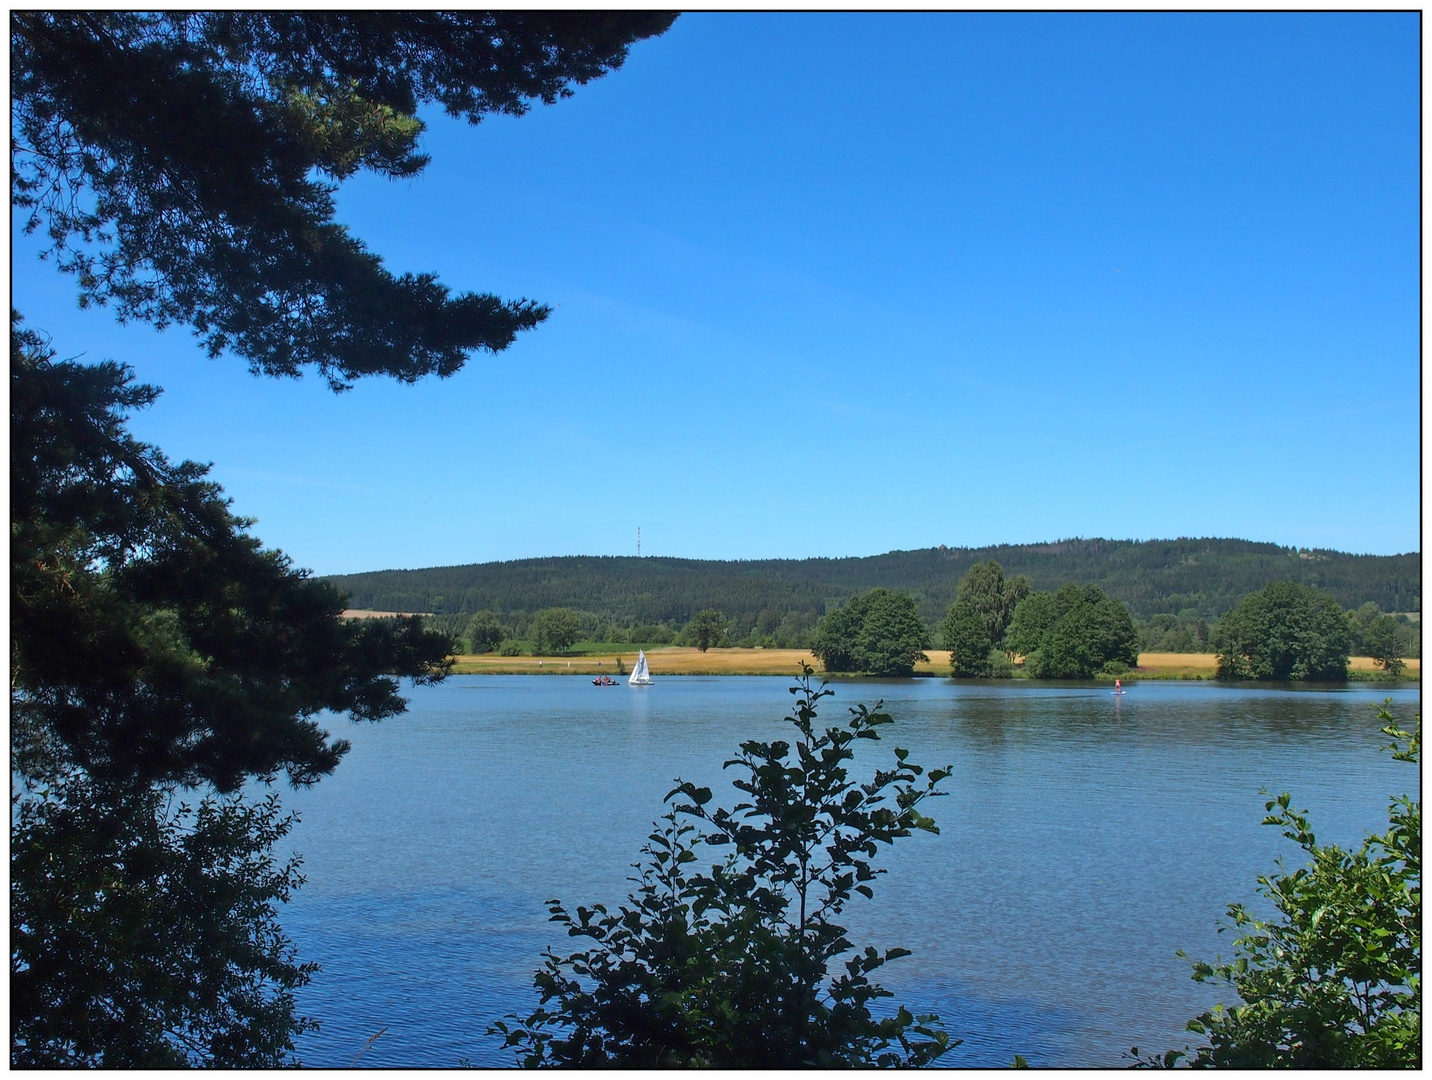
<point>1085,839</point>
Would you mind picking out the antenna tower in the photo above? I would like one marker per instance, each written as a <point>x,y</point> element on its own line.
<point>638,541</point>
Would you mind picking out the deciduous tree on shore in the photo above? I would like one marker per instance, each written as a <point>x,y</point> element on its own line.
<point>978,619</point>
<point>706,629</point>
<point>876,633</point>
<point>1381,637</point>
<point>554,630</point>
<point>1285,631</point>
<point>1073,633</point>
<point>485,632</point>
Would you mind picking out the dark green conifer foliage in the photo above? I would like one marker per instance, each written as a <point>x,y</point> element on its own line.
<point>183,164</point>
<point>739,966</point>
<point>156,645</point>
<point>152,638</point>
<point>1200,579</point>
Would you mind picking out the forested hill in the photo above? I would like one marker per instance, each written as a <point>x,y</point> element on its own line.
<point>1203,578</point>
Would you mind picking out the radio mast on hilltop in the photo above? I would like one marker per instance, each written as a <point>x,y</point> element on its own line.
<point>638,541</point>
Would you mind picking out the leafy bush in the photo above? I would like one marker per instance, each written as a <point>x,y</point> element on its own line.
<point>1335,980</point>
<point>651,634</point>
<point>1380,636</point>
<point>729,967</point>
<point>998,665</point>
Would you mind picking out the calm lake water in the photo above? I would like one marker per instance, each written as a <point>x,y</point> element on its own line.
<point>1085,839</point>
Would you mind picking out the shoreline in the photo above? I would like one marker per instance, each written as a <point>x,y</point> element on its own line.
<point>678,660</point>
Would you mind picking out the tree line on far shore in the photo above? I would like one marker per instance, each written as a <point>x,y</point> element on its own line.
<point>1368,626</point>
<point>999,627</point>
<point>1285,631</point>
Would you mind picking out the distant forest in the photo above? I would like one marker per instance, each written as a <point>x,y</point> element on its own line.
<point>784,598</point>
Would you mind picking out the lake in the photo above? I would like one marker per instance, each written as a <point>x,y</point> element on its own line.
<point>1085,839</point>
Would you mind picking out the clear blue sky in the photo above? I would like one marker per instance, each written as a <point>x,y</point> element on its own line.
<point>839,284</point>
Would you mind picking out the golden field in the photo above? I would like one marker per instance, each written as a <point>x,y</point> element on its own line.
<point>1173,665</point>
<point>676,660</point>
<point>668,660</point>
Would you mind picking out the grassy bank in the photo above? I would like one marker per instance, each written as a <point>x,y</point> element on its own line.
<point>676,660</point>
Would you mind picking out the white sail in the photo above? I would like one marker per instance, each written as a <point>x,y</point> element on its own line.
<point>639,675</point>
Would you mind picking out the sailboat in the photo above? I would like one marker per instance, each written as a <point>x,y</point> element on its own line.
<point>639,675</point>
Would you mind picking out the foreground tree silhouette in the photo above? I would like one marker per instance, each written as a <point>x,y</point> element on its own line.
<point>1335,980</point>
<point>182,166</point>
<point>732,967</point>
<point>153,639</point>
<point>144,930</point>
<point>155,645</point>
